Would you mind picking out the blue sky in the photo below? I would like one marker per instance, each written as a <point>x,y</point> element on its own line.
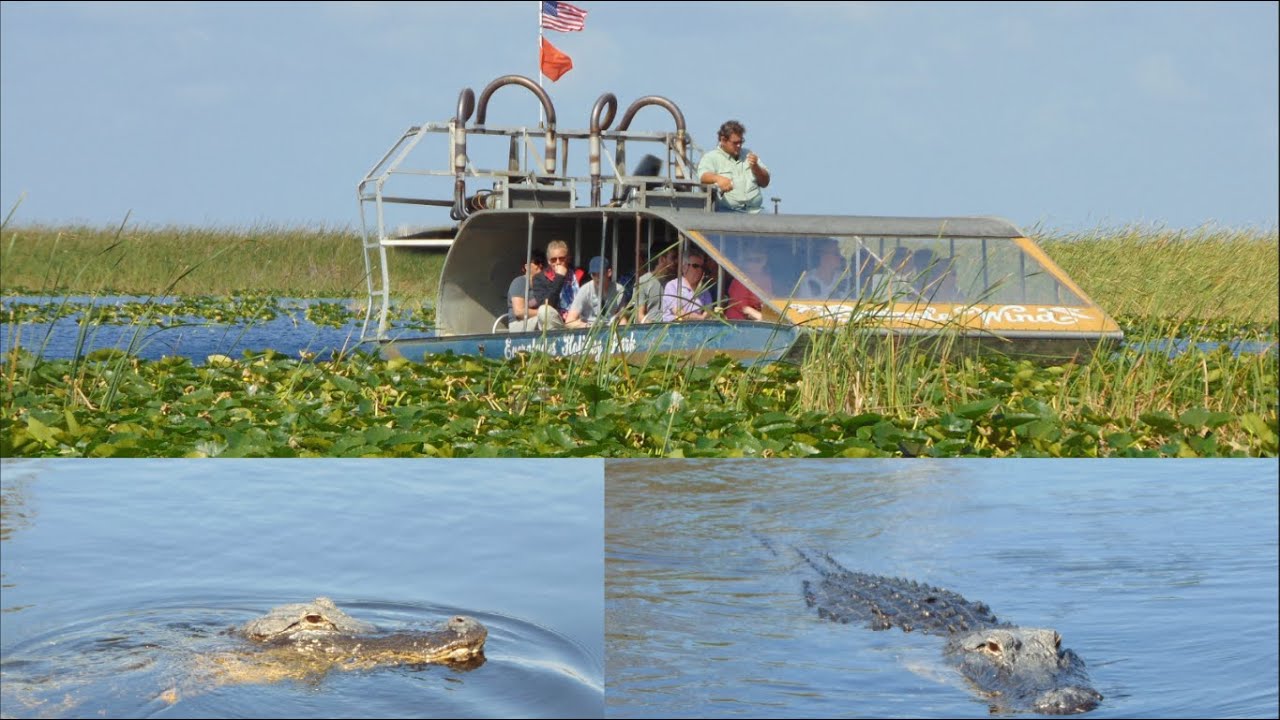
<point>1067,116</point>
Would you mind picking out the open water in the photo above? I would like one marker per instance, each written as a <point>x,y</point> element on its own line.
<point>121,580</point>
<point>1161,575</point>
<point>289,333</point>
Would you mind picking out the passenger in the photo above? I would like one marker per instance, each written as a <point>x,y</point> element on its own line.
<point>686,297</point>
<point>735,171</point>
<point>647,300</point>
<point>522,316</point>
<point>551,284</point>
<point>598,299</point>
<point>744,304</point>
<point>830,279</point>
<point>934,278</point>
<point>892,279</point>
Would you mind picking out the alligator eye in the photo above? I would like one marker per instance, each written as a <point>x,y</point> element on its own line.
<point>1057,641</point>
<point>990,646</point>
<point>313,618</point>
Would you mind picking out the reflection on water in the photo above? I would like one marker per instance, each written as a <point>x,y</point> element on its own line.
<point>123,580</point>
<point>289,333</point>
<point>1133,562</point>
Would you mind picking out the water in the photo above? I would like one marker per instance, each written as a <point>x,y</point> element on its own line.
<point>289,333</point>
<point>122,578</point>
<point>1161,575</point>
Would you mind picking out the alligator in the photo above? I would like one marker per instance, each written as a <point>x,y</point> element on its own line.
<point>306,640</point>
<point>1018,669</point>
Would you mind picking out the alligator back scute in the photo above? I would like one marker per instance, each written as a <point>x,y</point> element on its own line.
<point>884,602</point>
<point>1018,669</point>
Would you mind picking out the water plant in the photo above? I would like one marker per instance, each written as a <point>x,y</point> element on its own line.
<point>853,395</point>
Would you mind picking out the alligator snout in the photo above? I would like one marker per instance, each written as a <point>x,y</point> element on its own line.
<point>1068,700</point>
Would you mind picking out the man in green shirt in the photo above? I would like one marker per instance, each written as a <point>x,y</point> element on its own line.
<point>736,171</point>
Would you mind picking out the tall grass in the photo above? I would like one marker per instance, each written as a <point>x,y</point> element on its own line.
<point>1207,273</point>
<point>1215,273</point>
<point>292,262</point>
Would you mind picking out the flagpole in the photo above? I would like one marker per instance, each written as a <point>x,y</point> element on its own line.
<point>542,121</point>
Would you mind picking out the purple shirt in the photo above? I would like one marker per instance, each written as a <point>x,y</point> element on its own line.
<point>678,298</point>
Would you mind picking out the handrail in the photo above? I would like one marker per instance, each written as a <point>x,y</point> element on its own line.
<point>458,133</point>
<point>609,101</point>
<point>482,108</point>
<point>630,115</point>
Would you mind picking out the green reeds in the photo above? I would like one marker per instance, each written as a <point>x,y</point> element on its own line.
<point>289,262</point>
<point>1216,273</point>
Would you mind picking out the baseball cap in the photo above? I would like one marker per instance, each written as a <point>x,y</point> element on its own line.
<point>598,264</point>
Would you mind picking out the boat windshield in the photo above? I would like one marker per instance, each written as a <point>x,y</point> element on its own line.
<point>854,268</point>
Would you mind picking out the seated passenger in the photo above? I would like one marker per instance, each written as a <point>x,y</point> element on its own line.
<point>830,279</point>
<point>892,282</point>
<point>686,297</point>
<point>646,301</point>
<point>599,299</point>
<point>744,304</point>
<point>522,315</point>
<point>556,283</point>
<point>934,278</point>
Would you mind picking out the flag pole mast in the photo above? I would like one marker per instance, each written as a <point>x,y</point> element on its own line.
<point>541,117</point>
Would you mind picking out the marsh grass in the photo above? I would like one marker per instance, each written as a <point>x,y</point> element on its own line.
<point>1202,399</point>
<point>854,394</point>
<point>286,262</point>
<point>1207,273</point>
<point>1131,270</point>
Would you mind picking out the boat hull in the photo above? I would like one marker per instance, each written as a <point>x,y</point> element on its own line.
<point>746,342</point>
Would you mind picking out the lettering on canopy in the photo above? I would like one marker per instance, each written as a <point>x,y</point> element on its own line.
<point>989,316</point>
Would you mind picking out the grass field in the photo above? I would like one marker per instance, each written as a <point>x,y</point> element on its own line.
<point>1211,274</point>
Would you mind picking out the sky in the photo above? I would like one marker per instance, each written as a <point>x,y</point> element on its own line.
<point>1059,116</point>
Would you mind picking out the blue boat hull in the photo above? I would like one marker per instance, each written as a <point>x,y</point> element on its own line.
<point>747,342</point>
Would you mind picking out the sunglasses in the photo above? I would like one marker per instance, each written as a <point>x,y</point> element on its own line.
<point>562,258</point>
<point>694,265</point>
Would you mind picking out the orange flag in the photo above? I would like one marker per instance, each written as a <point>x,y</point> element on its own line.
<point>554,62</point>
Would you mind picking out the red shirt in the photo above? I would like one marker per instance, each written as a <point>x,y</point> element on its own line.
<point>740,296</point>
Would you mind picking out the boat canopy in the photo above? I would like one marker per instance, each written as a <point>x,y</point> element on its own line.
<point>975,273</point>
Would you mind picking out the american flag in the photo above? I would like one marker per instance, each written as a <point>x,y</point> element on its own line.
<point>562,16</point>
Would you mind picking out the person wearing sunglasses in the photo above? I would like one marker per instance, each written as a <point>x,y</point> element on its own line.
<point>736,172</point>
<point>555,286</point>
<point>686,297</point>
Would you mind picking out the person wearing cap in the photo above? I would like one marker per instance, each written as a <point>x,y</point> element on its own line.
<point>598,298</point>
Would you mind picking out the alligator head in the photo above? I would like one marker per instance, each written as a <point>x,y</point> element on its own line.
<point>1024,670</point>
<point>288,622</point>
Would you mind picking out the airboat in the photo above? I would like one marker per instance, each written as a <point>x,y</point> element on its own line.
<point>979,281</point>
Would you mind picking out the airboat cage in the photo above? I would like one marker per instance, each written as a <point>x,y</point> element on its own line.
<point>398,184</point>
<point>977,276</point>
